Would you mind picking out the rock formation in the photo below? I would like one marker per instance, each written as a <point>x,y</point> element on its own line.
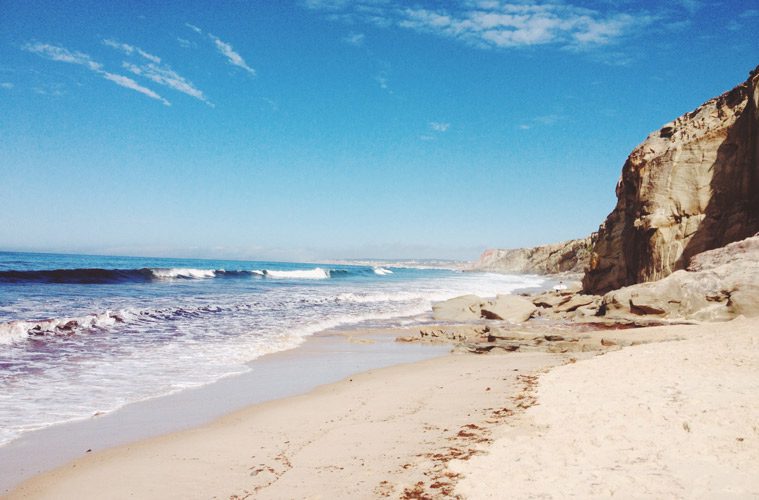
<point>690,187</point>
<point>718,285</point>
<point>569,256</point>
<point>511,308</point>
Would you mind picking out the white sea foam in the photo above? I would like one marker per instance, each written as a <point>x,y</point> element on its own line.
<point>154,344</point>
<point>300,274</point>
<point>379,297</point>
<point>382,271</point>
<point>19,330</point>
<point>183,273</point>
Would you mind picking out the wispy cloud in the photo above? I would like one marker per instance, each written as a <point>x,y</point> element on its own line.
<point>494,24</point>
<point>382,80</point>
<point>355,39</point>
<point>164,75</point>
<point>690,5</point>
<point>62,54</point>
<point>127,82</point>
<point>6,85</point>
<point>131,49</point>
<point>184,43</point>
<point>439,126</point>
<point>233,57</point>
<point>546,120</point>
<point>226,50</point>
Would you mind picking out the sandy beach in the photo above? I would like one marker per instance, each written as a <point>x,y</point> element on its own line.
<point>674,416</point>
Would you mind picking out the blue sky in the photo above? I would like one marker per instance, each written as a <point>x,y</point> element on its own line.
<point>305,130</point>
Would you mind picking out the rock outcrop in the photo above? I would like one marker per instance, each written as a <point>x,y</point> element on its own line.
<point>466,308</point>
<point>689,187</point>
<point>569,256</point>
<point>718,285</point>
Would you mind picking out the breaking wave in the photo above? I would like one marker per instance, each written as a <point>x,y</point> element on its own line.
<point>306,274</point>
<point>146,275</point>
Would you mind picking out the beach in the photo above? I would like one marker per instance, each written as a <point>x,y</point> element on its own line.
<point>672,415</point>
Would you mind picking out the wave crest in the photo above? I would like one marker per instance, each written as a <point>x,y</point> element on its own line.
<point>303,274</point>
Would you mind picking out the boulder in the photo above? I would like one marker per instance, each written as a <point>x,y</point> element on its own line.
<point>510,308</point>
<point>577,301</point>
<point>467,308</point>
<point>459,309</point>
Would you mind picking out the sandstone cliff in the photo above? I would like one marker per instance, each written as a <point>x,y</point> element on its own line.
<point>689,187</point>
<point>569,256</point>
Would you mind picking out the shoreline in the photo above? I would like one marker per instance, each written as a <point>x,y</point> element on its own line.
<point>361,437</point>
<point>444,427</point>
<point>323,358</point>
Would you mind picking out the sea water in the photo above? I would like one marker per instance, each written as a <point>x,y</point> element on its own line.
<point>80,335</point>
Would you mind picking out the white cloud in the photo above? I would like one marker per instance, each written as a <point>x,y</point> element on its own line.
<point>691,5</point>
<point>127,82</point>
<point>546,120</point>
<point>130,49</point>
<point>184,43</point>
<point>164,75</point>
<point>159,73</point>
<point>495,24</point>
<point>439,126</point>
<point>61,54</point>
<point>382,80</point>
<point>6,85</point>
<point>233,57</point>
<point>272,104</point>
<point>355,39</point>
<point>226,50</point>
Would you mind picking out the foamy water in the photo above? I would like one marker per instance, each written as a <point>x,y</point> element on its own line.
<point>81,335</point>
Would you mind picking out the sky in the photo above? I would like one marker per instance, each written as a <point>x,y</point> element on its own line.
<point>324,129</point>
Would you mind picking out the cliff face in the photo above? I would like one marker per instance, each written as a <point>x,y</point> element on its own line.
<point>689,187</point>
<point>569,256</point>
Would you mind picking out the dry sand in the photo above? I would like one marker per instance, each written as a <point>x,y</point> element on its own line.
<point>664,420</point>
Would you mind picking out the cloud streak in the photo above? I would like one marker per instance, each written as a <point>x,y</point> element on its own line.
<point>131,49</point>
<point>127,82</point>
<point>162,74</point>
<point>440,126</point>
<point>62,54</point>
<point>225,49</point>
<point>355,39</point>
<point>233,57</point>
<point>494,24</point>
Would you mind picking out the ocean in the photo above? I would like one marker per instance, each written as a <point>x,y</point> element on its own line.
<point>82,335</point>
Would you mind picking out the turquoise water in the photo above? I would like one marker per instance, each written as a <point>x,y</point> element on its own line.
<point>86,334</point>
